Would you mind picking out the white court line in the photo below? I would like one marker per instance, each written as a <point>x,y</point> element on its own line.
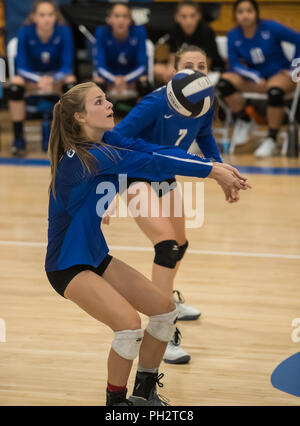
<point>150,249</point>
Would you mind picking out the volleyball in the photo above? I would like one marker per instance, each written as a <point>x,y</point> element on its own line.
<point>190,93</point>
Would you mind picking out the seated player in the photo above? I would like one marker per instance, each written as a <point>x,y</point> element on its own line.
<point>44,63</point>
<point>189,29</point>
<point>257,64</point>
<point>120,57</point>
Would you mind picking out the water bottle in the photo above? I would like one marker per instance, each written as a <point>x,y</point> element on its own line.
<point>45,132</point>
<point>225,144</point>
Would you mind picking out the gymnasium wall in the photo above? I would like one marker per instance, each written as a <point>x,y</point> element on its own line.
<point>286,12</point>
<point>15,13</point>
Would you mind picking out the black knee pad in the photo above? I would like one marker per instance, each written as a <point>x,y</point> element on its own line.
<point>166,253</point>
<point>225,88</point>
<point>143,87</point>
<point>68,86</point>
<point>276,97</point>
<point>182,250</point>
<point>16,92</point>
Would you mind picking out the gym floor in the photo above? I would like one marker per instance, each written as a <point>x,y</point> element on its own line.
<point>241,271</point>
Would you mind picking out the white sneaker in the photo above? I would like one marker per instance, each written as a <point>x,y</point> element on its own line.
<point>185,312</point>
<point>174,354</point>
<point>266,149</point>
<point>241,132</point>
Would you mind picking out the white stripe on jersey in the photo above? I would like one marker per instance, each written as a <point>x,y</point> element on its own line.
<point>186,160</point>
<point>60,75</point>
<point>134,74</point>
<point>106,74</point>
<point>29,75</point>
<point>248,74</point>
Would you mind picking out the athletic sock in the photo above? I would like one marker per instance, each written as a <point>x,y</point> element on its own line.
<point>113,388</point>
<point>18,129</point>
<point>147,370</point>
<point>242,115</point>
<point>273,133</point>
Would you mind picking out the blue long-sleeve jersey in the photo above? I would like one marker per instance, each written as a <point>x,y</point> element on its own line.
<point>74,233</point>
<point>113,57</point>
<point>35,58</point>
<point>154,121</point>
<point>261,56</point>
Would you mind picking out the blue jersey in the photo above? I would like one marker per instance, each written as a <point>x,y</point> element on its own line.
<point>113,57</point>
<point>261,56</point>
<point>74,233</point>
<point>35,58</point>
<point>154,121</point>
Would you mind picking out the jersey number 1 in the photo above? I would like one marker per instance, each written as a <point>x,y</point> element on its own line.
<point>182,133</point>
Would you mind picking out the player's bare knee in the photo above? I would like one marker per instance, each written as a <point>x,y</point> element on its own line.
<point>170,306</point>
<point>98,79</point>
<point>17,79</point>
<point>132,322</point>
<point>165,305</point>
<point>70,79</point>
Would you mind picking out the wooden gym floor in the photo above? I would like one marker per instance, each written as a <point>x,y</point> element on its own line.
<point>242,271</point>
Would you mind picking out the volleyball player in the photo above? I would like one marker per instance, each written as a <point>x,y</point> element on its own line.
<point>44,63</point>
<point>189,29</point>
<point>257,64</point>
<point>154,121</point>
<point>78,263</point>
<point>120,58</point>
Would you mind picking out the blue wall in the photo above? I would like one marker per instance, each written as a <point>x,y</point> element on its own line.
<point>16,12</point>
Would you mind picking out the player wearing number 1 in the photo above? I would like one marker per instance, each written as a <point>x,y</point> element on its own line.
<point>257,64</point>
<point>155,122</point>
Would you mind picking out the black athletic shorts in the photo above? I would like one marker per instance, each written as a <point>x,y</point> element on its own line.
<point>60,279</point>
<point>161,191</point>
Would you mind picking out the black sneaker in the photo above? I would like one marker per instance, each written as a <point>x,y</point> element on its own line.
<point>144,393</point>
<point>117,398</point>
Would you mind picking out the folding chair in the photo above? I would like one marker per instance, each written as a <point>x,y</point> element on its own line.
<point>214,77</point>
<point>291,142</point>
